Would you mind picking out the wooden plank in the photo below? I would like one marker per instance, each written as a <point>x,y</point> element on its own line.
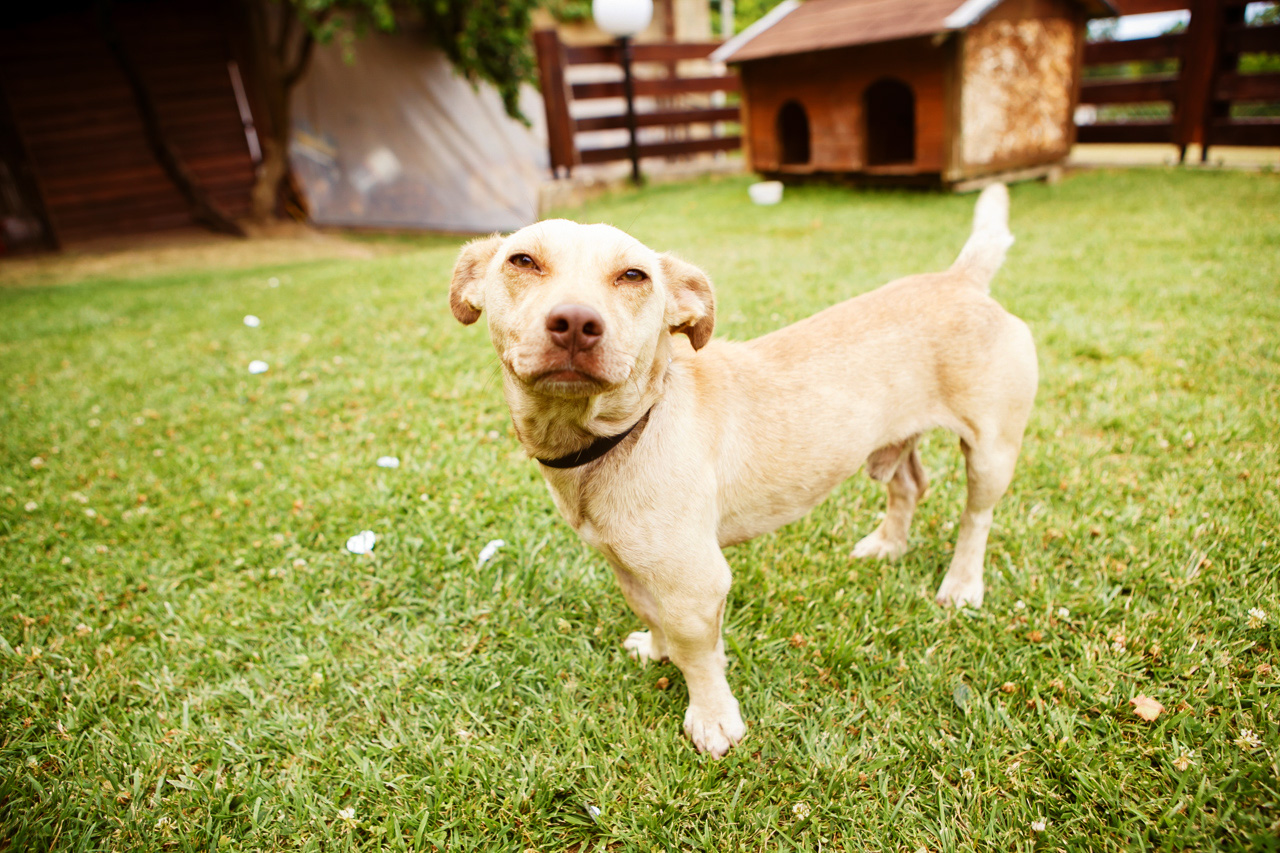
<point>1128,91</point>
<point>657,88</point>
<point>663,149</point>
<point>1199,65</point>
<point>672,51</point>
<point>1252,39</point>
<point>1265,132</point>
<point>1248,87</point>
<point>1146,7</point>
<point>555,99</point>
<point>1132,132</point>
<point>609,54</point>
<point>186,120</point>
<point>1137,50</point>
<point>660,119</point>
<point>593,54</point>
<point>111,226</point>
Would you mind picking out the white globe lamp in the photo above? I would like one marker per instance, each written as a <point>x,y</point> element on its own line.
<point>622,18</point>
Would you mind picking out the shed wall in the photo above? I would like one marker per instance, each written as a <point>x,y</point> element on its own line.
<point>830,85</point>
<point>79,126</point>
<point>1019,71</point>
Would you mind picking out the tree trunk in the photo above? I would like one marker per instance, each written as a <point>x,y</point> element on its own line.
<point>203,208</point>
<point>280,58</point>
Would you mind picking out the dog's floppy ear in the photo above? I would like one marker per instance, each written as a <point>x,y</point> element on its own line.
<point>691,304</point>
<point>465,295</point>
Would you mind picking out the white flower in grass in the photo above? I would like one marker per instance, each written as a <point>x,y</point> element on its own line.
<point>1184,760</point>
<point>1248,741</point>
<point>488,551</point>
<point>1039,825</point>
<point>1257,617</point>
<point>1019,605</point>
<point>31,506</point>
<point>251,321</point>
<point>1064,613</point>
<point>347,816</point>
<point>801,810</point>
<point>362,542</point>
<point>258,366</point>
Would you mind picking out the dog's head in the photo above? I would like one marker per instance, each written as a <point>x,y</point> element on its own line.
<point>575,310</point>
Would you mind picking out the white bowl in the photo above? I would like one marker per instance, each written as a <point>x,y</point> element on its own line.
<point>766,192</point>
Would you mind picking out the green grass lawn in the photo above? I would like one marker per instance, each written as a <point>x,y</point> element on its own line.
<point>191,660</point>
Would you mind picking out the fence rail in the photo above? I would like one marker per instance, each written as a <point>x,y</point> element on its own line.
<point>1201,98</point>
<point>559,94</point>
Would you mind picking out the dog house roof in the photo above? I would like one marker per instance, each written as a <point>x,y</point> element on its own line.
<point>795,27</point>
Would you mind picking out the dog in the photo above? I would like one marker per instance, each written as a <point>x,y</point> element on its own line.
<point>661,446</point>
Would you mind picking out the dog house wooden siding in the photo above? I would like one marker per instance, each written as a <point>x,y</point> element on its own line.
<point>995,97</point>
<point>74,130</point>
<point>829,87</point>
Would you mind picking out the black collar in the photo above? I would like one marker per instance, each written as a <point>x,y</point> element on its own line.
<point>595,449</point>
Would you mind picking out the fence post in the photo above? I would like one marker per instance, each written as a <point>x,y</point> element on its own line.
<point>1196,77</point>
<point>555,100</point>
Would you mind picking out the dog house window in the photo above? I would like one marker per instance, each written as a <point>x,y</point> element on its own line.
<point>793,134</point>
<point>890,109</point>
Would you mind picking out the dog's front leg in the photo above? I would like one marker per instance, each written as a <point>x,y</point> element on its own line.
<point>689,592</point>
<point>643,646</point>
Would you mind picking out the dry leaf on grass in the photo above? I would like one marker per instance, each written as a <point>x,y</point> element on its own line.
<point>1146,707</point>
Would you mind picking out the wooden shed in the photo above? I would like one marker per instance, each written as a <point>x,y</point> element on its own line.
<point>930,91</point>
<point>76,163</point>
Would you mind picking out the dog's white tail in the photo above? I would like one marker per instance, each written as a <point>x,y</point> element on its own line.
<point>983,254</point>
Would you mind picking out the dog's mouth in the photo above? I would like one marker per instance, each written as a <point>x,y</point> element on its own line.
<point>567,378</point>
<point>561,374</point>
<point>557,373</point>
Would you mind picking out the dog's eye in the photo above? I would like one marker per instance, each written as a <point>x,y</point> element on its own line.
<point>633,276</point>
<point>522,261</point>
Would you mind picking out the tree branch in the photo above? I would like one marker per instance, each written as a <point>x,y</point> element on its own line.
<point>291,77</point>
<point>203,208</point>
<point>288,20</point>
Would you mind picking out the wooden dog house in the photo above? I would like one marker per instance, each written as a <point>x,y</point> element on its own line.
<point>928,91</point>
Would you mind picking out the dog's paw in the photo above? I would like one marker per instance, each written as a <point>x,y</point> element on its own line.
<point>642,648</point>
<point>877,547</point>
<point>957,593</point>
<point>714,733</point>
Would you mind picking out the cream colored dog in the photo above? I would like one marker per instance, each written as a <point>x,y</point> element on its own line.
<point>661,452</point>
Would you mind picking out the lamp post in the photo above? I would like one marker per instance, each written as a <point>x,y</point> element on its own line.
<point>624,19</point>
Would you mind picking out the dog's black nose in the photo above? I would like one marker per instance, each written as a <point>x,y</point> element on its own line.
<point>575,327</point>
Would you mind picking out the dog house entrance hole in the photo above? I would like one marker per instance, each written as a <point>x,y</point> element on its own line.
<point>890,108</point>
<point>793,134</point>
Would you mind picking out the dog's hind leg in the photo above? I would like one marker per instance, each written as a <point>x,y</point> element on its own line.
<point>898,467</point>
<point>989,464</point>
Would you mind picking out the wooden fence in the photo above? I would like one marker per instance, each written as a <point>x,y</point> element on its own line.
<point>559,94</point>
<point>1200,94</point>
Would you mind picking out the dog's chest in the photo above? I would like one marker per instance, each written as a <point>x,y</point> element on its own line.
<point>572,497</point>
<point>569,493</point>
